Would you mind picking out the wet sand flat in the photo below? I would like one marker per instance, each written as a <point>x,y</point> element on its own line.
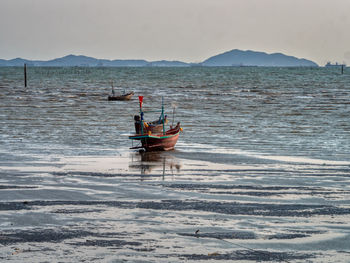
<point>167,207</point>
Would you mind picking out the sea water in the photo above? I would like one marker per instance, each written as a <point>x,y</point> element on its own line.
<point>261,171</point>
<point>280,111</point>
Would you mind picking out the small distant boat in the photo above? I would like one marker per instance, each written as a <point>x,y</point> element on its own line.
<point>126,96</point>
<point>151,138</point>
<point>329,65</point>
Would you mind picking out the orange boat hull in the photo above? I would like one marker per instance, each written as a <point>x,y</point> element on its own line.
<point>161,144</point>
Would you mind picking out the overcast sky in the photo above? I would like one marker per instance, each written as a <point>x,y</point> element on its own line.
<point>186,30</point>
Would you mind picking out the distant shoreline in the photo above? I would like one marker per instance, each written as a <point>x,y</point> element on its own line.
<point>233,58</point>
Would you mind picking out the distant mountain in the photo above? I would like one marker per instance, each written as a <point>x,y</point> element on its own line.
<point>16,62</point>
<point>73,61</point>
<point>231,58</point>
<point>252,58</point>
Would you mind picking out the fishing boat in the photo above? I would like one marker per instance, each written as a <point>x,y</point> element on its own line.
<point>155,141</point>
<point>126,96</point>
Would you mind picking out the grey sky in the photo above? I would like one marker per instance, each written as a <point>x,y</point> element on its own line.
<point>186,30</point>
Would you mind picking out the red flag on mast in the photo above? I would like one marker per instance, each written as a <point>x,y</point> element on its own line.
<point>140,100</point>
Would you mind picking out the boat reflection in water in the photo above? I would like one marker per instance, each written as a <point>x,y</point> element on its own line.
<point>154,163</point>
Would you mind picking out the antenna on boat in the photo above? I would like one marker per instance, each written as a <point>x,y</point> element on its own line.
<point>113,93</point>
<point>173,105</point>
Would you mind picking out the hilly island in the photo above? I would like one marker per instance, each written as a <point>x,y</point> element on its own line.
<point>235,58</point>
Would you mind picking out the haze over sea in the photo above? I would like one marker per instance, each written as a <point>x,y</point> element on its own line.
<point>261,169</point>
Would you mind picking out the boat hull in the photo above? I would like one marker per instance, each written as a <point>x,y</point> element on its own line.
<point>122,97</point>
<point>159,142</point>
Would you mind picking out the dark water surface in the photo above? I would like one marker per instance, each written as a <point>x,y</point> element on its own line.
<point>260,173</point>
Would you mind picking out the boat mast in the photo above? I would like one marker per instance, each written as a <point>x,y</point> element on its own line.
<point>141,113</point>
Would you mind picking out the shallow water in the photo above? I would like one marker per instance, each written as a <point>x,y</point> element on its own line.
<point>261,170</point>
<point>303,112</point>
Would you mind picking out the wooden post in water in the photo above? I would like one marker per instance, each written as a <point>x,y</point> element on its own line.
<point>163,116</point>
<point>25,75</point>
<point>342,69</point>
